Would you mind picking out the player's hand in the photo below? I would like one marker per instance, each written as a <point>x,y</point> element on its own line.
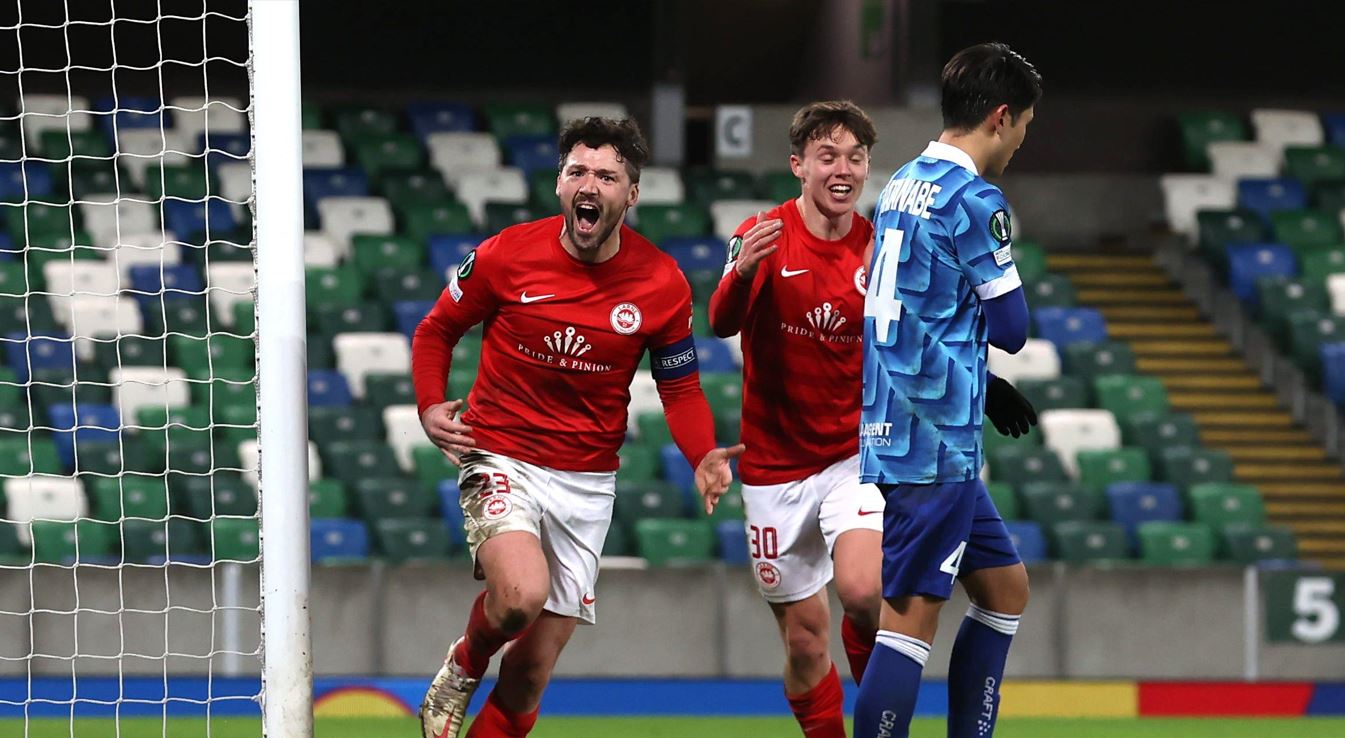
<point>714,475</point>
<point>444,427</point>
<point>758,243</point>
<point>1006,407</point>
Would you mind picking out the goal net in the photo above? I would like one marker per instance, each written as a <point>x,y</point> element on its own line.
<point>130,586</point>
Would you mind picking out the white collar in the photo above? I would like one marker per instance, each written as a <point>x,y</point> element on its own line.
<point>949,152</point>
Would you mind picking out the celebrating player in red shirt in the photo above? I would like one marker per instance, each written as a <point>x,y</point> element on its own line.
<point>794,286</point>
<point>570,305</point>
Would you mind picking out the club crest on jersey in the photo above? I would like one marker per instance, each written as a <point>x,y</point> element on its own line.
<point>626,318</point>
<point>768,575</point>
<point>496,507</point>
<point>1000,226</point>
<point>862,281</point>
<point>467,265</point>
<point>570,343</point>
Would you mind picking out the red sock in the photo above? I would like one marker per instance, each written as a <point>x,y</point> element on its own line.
<point>482,640</point>
<point>820,710</point>
<point>496,721</point>
<point>858,646</point>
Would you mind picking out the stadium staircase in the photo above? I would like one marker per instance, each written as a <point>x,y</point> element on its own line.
<point>1206,377</point>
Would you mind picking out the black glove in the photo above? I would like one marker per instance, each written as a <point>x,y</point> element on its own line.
<point>1006,407</point>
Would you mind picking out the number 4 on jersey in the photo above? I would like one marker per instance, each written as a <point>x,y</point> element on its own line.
<point>882,303</point>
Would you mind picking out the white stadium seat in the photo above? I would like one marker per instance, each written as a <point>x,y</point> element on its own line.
<point>99,317</point>
<point>1235,159</point>
<point>661,186</point>
<point>135,387</point>
<point>53,113</point>
<point>343,217</point>
<point>1067,432</point>
<point>643,397</point>
<point>569,111</point>
<point>140,148</point>
<point>404,433</point>
<point>139,249</point>
<point>323,149</point>
<point>1186,194</point>
<point>235,182</point>
<point>319,251</point>
<point>43,497</point>
<point>1335,285</point>
<point>227,283</point>
<point>88,277</point>
<point>109,222</point>
<point>361,354</point>
<point>455,153</point>
<point>190,116</point>
<point>249,456</point>
<point>727,215</point>
<point>476,189</point>
<point>1282,128</point>
<point>1038,359</point>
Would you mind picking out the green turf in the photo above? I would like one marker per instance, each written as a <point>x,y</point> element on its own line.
<point>567,727</point>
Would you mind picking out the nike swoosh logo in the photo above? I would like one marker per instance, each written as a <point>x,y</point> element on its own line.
<point>525,298</point>
<point>588,600</point>
<point>869,512</point>
<point>786,273</point>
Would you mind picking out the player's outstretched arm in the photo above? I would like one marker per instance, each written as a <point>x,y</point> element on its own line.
<point>751,244</point>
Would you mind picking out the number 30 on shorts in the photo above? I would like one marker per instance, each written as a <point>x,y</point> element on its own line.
<point>765,543</point>
<point>953,564</point>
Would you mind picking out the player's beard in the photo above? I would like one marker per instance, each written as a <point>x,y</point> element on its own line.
<point>607,222</point>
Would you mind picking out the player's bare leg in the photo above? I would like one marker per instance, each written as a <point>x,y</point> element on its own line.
<point>527,665</point>
<point>811,684</point>
<point>1001,589</point>
<point>517,584</point>
<point>998,597</point>
<point>858,561</point>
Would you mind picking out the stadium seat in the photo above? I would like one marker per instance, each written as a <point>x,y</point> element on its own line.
<point>727,215</point>
<point>1055,394</point>
<point>1004,499</point>
<point>1134,503</point>
<point>1220,504</point>
<point>432,468</point>
<point>138,149</point>
<point>193,116</point>
<point>447,251</point>
<point>1219,229</point>
<point>235,539</point>
<point>1313,165</point>
<point>705,186</point>
<point>661,186</point>
<point>1250,262</point>
<point>172,282</point>
<point>1128,395</point>
<point>64,279</point>
<point>1304,230</point>
<point>360,121</point>
<point>320,251</point>
<point>44,497</point>
<point>22,180</point>
<point>112,498</point>
<point>646,500</point>
<point>1319,263</point>
<point>639,463</point>
<point>135,387</point>
<point>1279,297</point>
<point>423,222</point>
<point>665,542</point>
<point>503,185</point>
<point>389,388</point>
<point>156,541</point>
<point>1038,360</point>
<point>1185,467</point>
<point>229,387</point>
<point>723,390</point>
<point>184,181</point>
<point>1067,326</point>
<point>402,540</point>
<point>419,187</point>
<point>404,433</point>
<point>230,283</point>
<point>729,508</point>
<point>1156,431</point>
<point>355,423</point>
<point>1018,465</point>
<point>1333,371</point>
<point>1099,469</point>
<point>327,388</point>
<point>326,499</point>
<point>658,223</point>
<point>407,315</point>
<point>393,497</point>
<point>714,356</point>
<point>1050,290</point>
<point>1307,332</point>
<point>212,219</point>
<point>1233,160</point>
<point>696,253</point>
<point>428,117</point>
<point>1067,432</point>
<point>322,149</point>
<point>502,215</point>
<point>220,493</point>
<point>1281,128</point>
<point>1335,287</point>
<point>733,548</point>
<point>1048,503</point>
<point>514,119</point>
<point>677,470</point>
<point>1200,128</point>
<point>1186,194</point>
<point>1089,542</point>
<point>1333,126</point>
<point>1248,545</point>
<point>235,183</point>
<point>97,316</point>
<point>351,461</point>
<point>372,254</point>
<point>343,217</point>
<point>1030,260</point>
<point>1176,544</point>
<point>1027,537</point>
<point>360,354</point>
<point>1267,195</point>
<point>331,319</point>
<point>458,153</point>
<point>532,153</point>
<point>338,540</point>
<point>66,543</point>
<point>319,183</point>
<point>81,423</point>
<point>379,155</point>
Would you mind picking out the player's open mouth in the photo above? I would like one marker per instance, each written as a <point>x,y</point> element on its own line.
<point>841,190</point>
<point>586,216</point>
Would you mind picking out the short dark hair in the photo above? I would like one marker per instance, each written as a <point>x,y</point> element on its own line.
<point>980,78</point>
<point>623,135</point>
<point>815,120</point>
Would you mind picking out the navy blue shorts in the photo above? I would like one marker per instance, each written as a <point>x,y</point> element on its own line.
<point>934,533</point>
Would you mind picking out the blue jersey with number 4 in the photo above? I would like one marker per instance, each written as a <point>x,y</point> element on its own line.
<point>942,245</point>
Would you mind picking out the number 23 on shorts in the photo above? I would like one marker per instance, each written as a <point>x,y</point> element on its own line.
<point>953,564</point>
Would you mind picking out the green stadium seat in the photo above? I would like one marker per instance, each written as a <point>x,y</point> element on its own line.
<point>93,457</point>
<point>1098,469</point>
<point>332,286</point>
<point>235,539</point>
<point>542,191</point>
<point>200,358</point>
<point>58,387</point>
<point>700,320</point>
<point>1018,465</point>
<point>326,499</point>
<point>48,247</point>
<point>460,383</point>
<point>1176,544</point>
<point>1307,332</point>
<point>1050,290</point>
<point>1154,432</point>
<point>230,386</point>
<point>639,463</point>
<point>37,221</point>
<point>708,185</point>
<point>1219,229</point>
<point>62,542</point>
<point>22,315</point>
<point>703,284</point>
<point>222,493</point>
<point>1030,259</point>
<point>94,178</point>
<point>651,499</point>
<point>131,496</point>
<point>1313,165</point>
<point>400,540</point>
<point>502,215</point>
<point>723,390</point>
<point>362,122</point>
<point>781,186</point>
<point>729,507</point>
<point>1006,502</point>
<point>64,144</point>
<point>1049,503</point>
<point>11,392</point>
<point>1329,196</point>
<point>1201,128</point>
<point>664,542</point>
<point>184,315</point>
<point>14,280</point>
<point>1089,541</point>
<point>1303,230</point>
<point>351,461</point>
<point>1245,544</point>
<point>416,283</point>
<point>129,351</point>
<point>179,181</point>
<point>729,425</point>
<point>421,221</point>
<point>159,426</point>
<point>406,189</point>
<point>1185,467</point>
<point>382,390</point>
<point>1090,360</point>
<point>372,253</point>
<point>235,424</point>
<point>432,467</point>
<point>310,115</point>
<point>1318,264</point>
<point>32,455</point>
<point>653,428</point>
<point>146,541</point>
<point>393,497</point>
<point>661,222</point>
<point>1127,395</point>
<point>332,318</point>
<point>1281,297</point>
<point>1220,504</point>
<point>379,155</point>
<point>329,424</point>
<point>617,543</point>
<point>1054,394</point>
<point>519,119</point>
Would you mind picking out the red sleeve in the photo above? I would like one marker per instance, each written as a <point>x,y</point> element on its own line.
<point>689,417</point>
<point>468,299</point>
<point>733,296</point>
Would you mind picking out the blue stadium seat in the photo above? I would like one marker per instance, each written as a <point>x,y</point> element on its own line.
<point>173,281</point>
<point>696,254</point>
<point>328,388</point>
<point>1266,196</point>
<point>679,472</point>
<point>1249,262</point>
<point>1333,371</point>
<point>732,542</point>
<point>450,502</point>
<point>1133,503</point>
<point>51,351</point>
<point>188,220</point>
<point>133,111</point>
<point>409,314</point>
<point>1065,326</point>
<point>446,251</point>
<point>714,355</point>
<point>1028,539</point>
<point>531,153</point>
<point>19,180</point>
<point>338,538</point>
<point>1333,124</point>
<point>433,117</point>
<point>96,423</point>
<point>227,147</point>
<point>331,182</point>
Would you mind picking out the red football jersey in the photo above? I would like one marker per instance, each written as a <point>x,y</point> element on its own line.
<point>563,340</point>
<point>802,338</point>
